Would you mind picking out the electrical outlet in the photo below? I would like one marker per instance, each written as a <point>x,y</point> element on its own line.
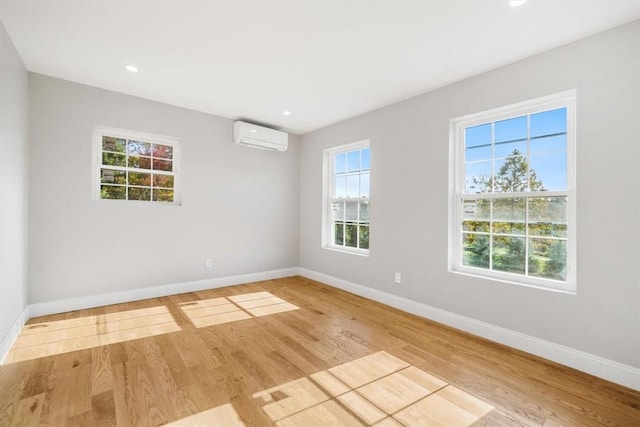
<point>398,277</point>
<point>208,263</point>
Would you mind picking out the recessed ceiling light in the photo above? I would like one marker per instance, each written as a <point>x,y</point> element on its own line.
<point>286,113</point>
<point>254,131</point>
<point>516,3</point>
<point>131,68</point>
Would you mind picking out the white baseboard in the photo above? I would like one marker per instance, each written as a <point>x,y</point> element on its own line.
<point>610,370</point>
<point>12,334</point>
<point>89,301</point>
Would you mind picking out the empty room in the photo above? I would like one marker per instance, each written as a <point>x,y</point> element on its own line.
<point>320,213</point>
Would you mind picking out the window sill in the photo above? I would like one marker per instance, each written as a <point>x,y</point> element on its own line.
<point>359,252</point>
<point>506,279</point>
<point>135,202</point>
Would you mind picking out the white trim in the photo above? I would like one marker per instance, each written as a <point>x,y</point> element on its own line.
<point>12,334</point>
<point>90,301</point>
<point>610,370</point>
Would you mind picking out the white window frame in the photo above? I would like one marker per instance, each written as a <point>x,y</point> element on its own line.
<point>327,200</point>
<point>175,143</point>
<point>457,190</point>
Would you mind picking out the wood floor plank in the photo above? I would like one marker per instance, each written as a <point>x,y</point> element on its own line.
<point>101,370</point>
<point>103,409</point>
<point>335,358</point>
<point>28,411</point>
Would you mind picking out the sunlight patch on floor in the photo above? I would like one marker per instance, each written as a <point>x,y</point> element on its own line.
<point>216,311</point>
<point>62,336</point>
<point>379,390</point>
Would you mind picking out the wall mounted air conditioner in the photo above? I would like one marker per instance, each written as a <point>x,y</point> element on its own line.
<point>259,137</point>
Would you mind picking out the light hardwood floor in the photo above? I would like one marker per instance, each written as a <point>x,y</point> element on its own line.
<point>287,352</point>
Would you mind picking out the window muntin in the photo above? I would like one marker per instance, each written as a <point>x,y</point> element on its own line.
<point>134,166</point>
<point>513,202</point>
<point>347,202</point>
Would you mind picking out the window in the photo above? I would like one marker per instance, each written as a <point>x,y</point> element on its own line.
<point>513,194</point>
<point>135,166</point>
<point>347,201</point>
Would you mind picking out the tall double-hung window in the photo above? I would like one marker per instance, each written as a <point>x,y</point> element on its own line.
<point>513,193</point>
<point>347,171</point>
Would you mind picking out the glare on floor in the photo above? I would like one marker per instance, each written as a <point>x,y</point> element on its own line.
<point>379,390</point>
<point>62,336</point>
<point>216,311</point>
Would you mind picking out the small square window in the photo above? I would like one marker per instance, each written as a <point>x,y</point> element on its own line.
<point>134,166</point>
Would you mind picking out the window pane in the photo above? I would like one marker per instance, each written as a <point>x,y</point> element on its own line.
<point>112,192</point>
<point>548,209</point>
<point>139,162</point>
<point>353,187</point>
<point>110,143</point>
<point>475,250</point>
<point>548,258</point>
<point>511,129</point>
<point>476,215</point>
<point>364,185</point>
<point>113,159</point>
<point>549,143</point>
<point>506,149</point>
<point>163,195</point>
<point>509,215</point>
<point>482,152</point>
<point>162,165</point>
<point>511,174</point>
<point>478,177</point>
<point>111,176</point>
<point>477,135</point>
<point>365,159</point>
<point>340,164</point>
<point>351,211</point>
<point>508,254</point>
<point>548,216</point>
<point>139,193</point>
<point>364,237</point>
<point>353,161</point>
<point>163,151</point>
<point>351,235</point>
<point>341,186</point>
<point>137,178</point>
<point>549,122</point>
<point>550,170</point>
<point>339,234</point>
<point>508,227</point>
<point>163,181</point>
<point>139,148</point>
<point>338,211</point>
<point>364,211</point>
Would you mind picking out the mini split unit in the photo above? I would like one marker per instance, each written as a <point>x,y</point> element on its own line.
<point>260,137</point>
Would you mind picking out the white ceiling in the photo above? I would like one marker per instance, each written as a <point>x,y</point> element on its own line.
<point>325,61</point>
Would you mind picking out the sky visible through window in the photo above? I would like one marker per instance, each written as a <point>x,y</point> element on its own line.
<point>346,167</point>
<point>538,139</point>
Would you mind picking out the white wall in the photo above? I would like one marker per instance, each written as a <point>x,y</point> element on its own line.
<point>239,206</point>
<point>13,186</point>
<point>409,191</point>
